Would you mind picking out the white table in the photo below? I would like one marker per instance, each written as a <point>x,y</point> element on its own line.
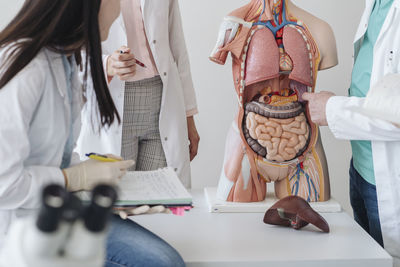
<point>234,239</point>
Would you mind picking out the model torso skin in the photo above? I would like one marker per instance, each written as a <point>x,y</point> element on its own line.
<point>277,50</point>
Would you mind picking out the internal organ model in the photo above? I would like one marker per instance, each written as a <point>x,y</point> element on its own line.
<point>275,60</point>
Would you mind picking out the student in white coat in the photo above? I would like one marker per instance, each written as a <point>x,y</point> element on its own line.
<point>375,167</point>
<point>40,107</point>
<point>157,102</point>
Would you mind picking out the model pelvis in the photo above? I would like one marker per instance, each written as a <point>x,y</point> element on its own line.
<point>273,138</point>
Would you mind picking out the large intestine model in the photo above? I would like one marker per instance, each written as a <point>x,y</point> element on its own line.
<point>277,50</point>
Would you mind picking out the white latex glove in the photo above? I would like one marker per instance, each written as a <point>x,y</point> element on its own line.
<point>89,173</point>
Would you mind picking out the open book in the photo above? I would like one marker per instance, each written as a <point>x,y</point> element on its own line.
<point>161,187</point>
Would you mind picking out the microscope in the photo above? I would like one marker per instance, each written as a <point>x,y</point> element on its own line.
<point>66,232</point>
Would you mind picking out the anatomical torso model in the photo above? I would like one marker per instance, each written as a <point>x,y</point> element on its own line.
<point>277,50</point>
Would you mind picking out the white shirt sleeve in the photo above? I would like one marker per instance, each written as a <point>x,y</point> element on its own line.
<point>347,122</point>
<point>20,185</point>
<point>179,52</point>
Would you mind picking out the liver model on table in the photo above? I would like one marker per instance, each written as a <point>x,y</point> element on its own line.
<point>294,212</point>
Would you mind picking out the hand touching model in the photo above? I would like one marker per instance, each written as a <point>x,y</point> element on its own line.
<point>317,106</point>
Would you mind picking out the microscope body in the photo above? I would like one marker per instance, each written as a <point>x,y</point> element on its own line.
<point>27,247</point>
<point>64,233</point>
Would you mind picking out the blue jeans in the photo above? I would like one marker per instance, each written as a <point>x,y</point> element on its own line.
<point>365,205</point>
<point>131,245</point>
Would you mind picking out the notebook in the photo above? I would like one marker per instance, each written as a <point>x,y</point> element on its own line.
<point>160,187</point>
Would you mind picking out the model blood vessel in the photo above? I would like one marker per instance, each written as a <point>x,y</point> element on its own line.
<point>275,59</point>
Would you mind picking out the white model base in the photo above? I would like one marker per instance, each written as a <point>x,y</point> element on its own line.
<point>220,206</point>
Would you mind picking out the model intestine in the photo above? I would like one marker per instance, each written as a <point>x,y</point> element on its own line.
<point>276,139</point>
<point>275,60</point>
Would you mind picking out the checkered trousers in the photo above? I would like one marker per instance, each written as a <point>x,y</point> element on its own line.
<point>141,139</point>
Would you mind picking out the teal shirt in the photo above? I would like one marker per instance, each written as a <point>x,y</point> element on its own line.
<point>360,84</point>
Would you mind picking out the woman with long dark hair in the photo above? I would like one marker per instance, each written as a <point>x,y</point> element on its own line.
<point>40,102</point>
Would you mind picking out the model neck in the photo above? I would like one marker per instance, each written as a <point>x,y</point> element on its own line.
<point>270,5</point>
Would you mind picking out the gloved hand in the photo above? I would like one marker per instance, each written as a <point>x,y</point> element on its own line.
<point>89,173</point>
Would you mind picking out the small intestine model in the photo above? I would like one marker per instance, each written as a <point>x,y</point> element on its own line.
<point>277,50</point>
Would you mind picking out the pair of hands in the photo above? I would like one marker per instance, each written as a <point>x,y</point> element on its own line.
<point>124,66</point>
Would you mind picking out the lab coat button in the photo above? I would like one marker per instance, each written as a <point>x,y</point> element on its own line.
<point>165,74</point>
<point>154,41</point>
<point>166,138</point>
<point>176,169</point>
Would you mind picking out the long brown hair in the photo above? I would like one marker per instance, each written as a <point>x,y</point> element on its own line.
<point>64,26</point>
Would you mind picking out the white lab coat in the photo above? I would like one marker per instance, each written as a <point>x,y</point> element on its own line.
<point>345,123</point>
<point>162,23</point>
<point>34,127</point>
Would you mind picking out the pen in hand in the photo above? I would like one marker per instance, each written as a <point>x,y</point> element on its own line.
<point>100,157</point>
<point>141,64</point>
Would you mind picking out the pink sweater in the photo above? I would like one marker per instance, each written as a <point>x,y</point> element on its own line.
<point>137,39</point>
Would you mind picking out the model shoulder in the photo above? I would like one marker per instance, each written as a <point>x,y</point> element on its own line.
<point>323,35</point>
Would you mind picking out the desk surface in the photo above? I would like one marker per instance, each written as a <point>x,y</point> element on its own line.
<point>236,239</point>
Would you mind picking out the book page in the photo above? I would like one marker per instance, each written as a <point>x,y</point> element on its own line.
<point>152,187</point>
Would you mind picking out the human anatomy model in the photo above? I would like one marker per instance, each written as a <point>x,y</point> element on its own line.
<point>277,50</point>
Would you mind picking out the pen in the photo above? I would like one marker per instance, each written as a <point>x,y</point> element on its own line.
<point>141,64</point>
<point>101,157</point>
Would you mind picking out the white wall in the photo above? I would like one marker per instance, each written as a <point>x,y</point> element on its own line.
<point>8,9</point>
<point>215,91</point>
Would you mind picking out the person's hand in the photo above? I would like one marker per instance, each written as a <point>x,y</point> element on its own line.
<point>145,209</point>
<point>317,106</point>
<point>193,136</point>
<point>89,173</point>
<point>121,64</point>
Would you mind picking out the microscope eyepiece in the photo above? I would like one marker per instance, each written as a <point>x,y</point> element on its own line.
<point>97,213</point>
<point>54,198</point>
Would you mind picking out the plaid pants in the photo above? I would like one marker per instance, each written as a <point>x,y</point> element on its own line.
<point>141,139</point>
